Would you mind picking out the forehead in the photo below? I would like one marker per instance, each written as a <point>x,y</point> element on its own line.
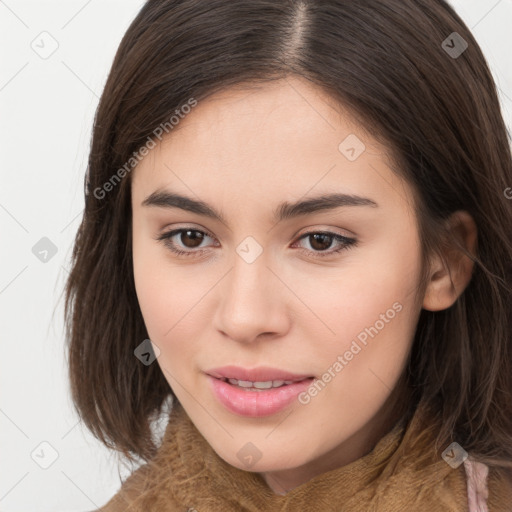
<point>286,138</point>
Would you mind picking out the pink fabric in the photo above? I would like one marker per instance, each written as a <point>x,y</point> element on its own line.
<point>478,492</point>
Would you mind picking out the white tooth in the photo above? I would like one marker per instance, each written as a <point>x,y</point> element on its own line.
<point>245,383</point>
<point>263,385</point>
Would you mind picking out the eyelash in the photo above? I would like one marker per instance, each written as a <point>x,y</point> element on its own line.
<point>347,242</point>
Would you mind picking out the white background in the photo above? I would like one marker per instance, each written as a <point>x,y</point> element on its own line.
<point>46,114</point>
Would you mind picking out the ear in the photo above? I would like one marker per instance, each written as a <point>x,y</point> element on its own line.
<point>451,270</point>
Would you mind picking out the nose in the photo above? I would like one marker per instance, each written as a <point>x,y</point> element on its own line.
<point>253,302</point>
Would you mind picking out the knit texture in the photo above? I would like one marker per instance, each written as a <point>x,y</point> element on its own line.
<point>187,475</point>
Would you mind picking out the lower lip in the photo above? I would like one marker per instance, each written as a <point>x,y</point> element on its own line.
<point>256,403</point>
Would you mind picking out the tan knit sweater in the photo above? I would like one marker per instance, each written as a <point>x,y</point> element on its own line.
<point>187,475</point>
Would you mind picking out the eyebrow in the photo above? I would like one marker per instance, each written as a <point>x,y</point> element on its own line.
<point>284,211</point>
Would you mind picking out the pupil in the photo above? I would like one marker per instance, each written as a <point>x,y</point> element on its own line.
<point>323,237</point>
<point>187,234</point>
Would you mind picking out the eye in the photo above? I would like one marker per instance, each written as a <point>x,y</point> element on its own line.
<point>319,241</point>
<point>191,239</point>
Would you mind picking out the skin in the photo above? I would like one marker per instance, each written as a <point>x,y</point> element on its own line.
<point>244,151</point>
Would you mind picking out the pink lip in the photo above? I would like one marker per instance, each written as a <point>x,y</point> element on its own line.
<point>258,403</point>
<point>261,374</point>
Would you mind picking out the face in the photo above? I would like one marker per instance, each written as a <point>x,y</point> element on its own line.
<point>325,291</point>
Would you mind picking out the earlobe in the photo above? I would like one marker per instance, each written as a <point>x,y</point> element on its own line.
<point>451,270</point>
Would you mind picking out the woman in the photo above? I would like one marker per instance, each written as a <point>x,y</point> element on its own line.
<point>297,234</point>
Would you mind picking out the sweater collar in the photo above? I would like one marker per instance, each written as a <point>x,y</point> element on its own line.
<point>388,476</point>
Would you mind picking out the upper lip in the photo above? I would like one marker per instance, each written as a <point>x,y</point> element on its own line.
<point>260,374</point>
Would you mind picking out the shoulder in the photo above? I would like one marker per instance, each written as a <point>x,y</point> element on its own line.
<point>127,495</point>
<point>499,490</point>
<point>148,487</point>
<point>140,492</point>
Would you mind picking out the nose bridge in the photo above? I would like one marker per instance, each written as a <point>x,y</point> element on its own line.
<point>249,302</point>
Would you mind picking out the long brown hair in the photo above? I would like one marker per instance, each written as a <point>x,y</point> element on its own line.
<point>401,71</point>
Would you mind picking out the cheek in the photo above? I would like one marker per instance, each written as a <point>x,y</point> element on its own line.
<point>164,300</point>
<point>373,314</point>
<point>156,286</point>
<point>366,287</point>
<point>170,299</point>
<point>370,340</point>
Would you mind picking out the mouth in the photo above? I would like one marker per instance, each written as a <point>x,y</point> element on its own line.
<point>261,385</point>
<point>262,377</point>
<point>257,398</point>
